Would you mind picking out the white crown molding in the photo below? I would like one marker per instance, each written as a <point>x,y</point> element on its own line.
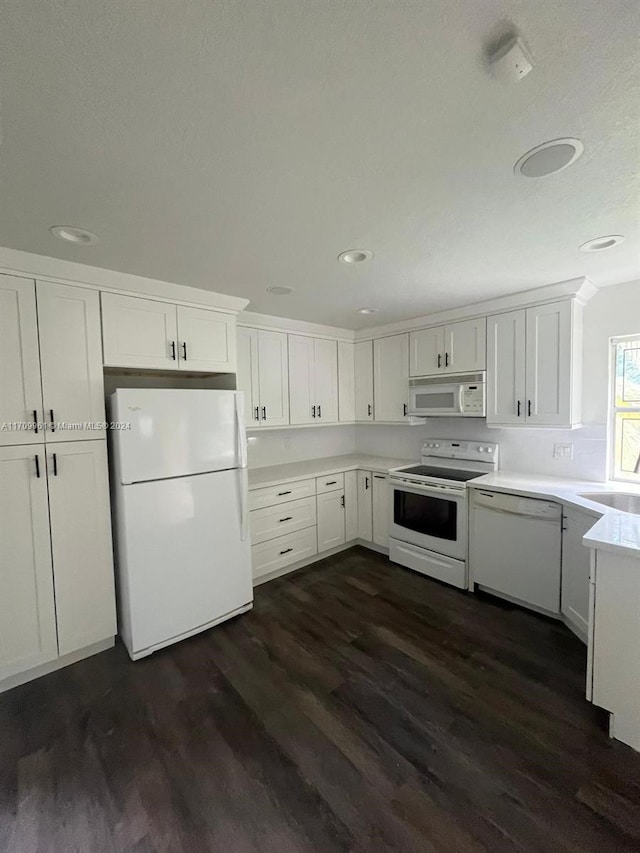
<point>44,268</point>
<point>296,327</point>
<point>580,289</point>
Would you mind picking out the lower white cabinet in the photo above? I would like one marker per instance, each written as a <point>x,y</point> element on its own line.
<point>54,504</point>
<point>27,611</point>
<point>277,554</point>
<point>576,562</point>
<point>365,506</point>
<point>81,543</point>
<point>331,520</point>
<point>273,521</point>
<point>380,502</point>
<point>351,505</point>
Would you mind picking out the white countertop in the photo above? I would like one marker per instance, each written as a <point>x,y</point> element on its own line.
<point>613,530</point>
<point>273,474</point>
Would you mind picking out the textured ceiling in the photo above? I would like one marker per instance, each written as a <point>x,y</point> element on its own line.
<point>238,144</point>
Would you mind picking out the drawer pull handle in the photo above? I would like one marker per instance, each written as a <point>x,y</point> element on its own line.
<point>288,518</point>
<point>280,494</point>
<point>331,482</point>
<point>379,476</point>
<point>286,551</point>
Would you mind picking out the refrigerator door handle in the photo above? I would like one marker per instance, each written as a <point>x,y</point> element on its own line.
<point>241,438</point>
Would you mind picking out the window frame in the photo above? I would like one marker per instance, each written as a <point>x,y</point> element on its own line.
<point>614,410</point>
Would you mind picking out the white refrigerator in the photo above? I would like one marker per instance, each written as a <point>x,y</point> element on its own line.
<point>179,484</point>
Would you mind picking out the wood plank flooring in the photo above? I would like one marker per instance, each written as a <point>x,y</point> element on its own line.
<point>359,707</point>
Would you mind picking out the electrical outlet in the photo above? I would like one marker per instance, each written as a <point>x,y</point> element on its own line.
<point>563,451</point>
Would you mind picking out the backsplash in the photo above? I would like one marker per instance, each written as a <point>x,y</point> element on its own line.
<point>275,447</point>
<point>527,451</point>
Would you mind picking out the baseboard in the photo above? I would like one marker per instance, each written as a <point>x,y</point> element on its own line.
<point>53,665</point>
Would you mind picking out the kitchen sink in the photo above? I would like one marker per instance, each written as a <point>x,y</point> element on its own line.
<point>618,500</point>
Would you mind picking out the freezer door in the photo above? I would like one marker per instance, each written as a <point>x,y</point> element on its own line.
<point>173,432</point>
<point>183,558</point>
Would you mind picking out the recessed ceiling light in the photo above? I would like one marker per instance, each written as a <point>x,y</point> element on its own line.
<point>71,234</point>
<point>368,310</point>
<point>279,290</point>
<point>355,256</point>
<point>599,244</point>
<point>548,158</point>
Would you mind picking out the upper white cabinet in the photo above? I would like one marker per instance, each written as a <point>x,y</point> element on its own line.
<point>576,563</point>
<point>533,366</point>
<point>391,378</point>
<point>313,380</point>
<point>81,543</point>
<point>145,333</point>
<point>346,382</point>
<point>20,390</point>
<point>456,348</point>
<point>363,369</point>
<point>27,611</point>
<point>71,364</point>
<point>263,375</point>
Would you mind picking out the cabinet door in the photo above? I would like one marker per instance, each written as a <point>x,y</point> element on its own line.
<point>426,349</point>
<point>576,563</point>
<point>71,359</point>
<point>363,358</point>
<point>380,502</point>
<point>273,383</point>
<point>506,369</point>
<point>301,380</point>
<point>247,374</point>
<point>331,513</point>
<point>391,378</point>
<point>351,505</point>
<point>346,382</point>
<point>465,346</point>
<point>27,611</point>
<point>139,332</point>
<point>81,543</point>
<point>20,391</point>
<point>365,506</point>
<point>326,380</point>
<point>548,384</point>
<point>206,340</point>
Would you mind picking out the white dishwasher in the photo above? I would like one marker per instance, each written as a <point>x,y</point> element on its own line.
<point>515,547</point>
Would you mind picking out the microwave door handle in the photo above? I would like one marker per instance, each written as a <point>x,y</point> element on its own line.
<point>461,399</point>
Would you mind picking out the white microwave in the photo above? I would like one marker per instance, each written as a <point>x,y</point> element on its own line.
<point>462,396</point>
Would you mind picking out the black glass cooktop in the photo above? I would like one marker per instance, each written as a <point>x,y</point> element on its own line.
<point>442,473</point>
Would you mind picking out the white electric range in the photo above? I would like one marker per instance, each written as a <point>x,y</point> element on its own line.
<point>429,512</point>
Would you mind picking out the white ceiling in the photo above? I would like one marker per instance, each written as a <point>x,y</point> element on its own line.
<point>236,144</point>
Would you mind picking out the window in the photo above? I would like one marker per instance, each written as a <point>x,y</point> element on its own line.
<point>625,418</point>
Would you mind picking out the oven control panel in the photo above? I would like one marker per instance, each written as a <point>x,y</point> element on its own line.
<point>472,451</point>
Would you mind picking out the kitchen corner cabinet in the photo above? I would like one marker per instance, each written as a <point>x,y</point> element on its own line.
<point>533,366</point>
<point>57,535</point>
<point>50,369</point>
<point>365,505</point>
<point>380,504</point>
<point>576,563</point>
<point>263,375</point>
<point>346,382</point>
<point>456,348</point>
<point>363,371</point>
<point>149,334</point>
<point>313,380</point>
<point>391,378</point>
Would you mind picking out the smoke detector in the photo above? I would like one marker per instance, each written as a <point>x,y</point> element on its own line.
<point>511,61</point>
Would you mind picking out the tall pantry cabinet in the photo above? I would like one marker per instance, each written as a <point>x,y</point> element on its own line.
<point>57,595</point>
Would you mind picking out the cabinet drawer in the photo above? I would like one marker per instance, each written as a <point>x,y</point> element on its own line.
<point>272,521</point>
<point>270,556</point>
<point>283,492</point>
<point>329,484</point>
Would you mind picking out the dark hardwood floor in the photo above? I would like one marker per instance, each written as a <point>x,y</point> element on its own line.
<point>359,707</point>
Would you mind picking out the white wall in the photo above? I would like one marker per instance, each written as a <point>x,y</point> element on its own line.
<point>613,311</point>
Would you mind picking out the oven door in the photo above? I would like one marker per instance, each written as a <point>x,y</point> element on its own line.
<point>431,517</point>
<point>431,400</point>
